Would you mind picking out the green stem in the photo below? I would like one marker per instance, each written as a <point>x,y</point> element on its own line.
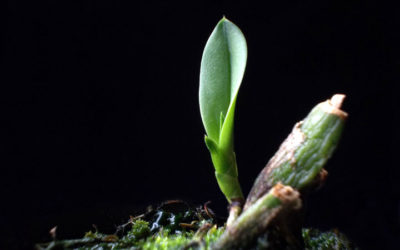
<point>224,160</point>
<point>300,159</point>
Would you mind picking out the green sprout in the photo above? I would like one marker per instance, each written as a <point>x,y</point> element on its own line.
<point>222,68</point>
<point>270,217</point>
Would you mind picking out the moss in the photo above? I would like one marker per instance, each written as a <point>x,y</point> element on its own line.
<point>140,229</point>
<point>333,239</point>
<point>139,237</point>
<point>166,228</point>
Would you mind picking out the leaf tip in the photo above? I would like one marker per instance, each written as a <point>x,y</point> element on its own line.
<point>224,20</point>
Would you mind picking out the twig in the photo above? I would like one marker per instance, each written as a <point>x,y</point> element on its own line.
<point>257,218</point>
<point>301,157</point>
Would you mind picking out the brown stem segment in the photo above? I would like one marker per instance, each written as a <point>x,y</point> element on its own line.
<point>255,220</point>
<point>235,209</point>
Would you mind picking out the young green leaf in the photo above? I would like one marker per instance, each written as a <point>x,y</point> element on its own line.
<point>222,68</point>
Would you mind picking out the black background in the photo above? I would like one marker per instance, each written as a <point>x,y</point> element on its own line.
<point>100,117</point>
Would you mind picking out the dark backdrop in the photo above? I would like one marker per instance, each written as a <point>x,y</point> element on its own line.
<point>100,117</point>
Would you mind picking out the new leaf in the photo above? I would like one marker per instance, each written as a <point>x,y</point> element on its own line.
<point>222,68</point>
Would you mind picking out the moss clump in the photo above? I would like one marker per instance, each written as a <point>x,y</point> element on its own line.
<point>140,229</point>
<point>164,240</point>
<point>333,239</point>
<point>170,228</point>
<point>139,237</point>
<point>172,225</point>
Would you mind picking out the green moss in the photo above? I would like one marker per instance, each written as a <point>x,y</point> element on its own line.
<point>314,239</point>
<point>139,237</point>
<point>140,229</point>
<point>166,240</point>
<point>172,225</point>
<point>166,228</point>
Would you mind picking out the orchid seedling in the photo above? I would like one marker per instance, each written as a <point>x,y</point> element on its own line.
<point>222,67</point>
<point>271,215</point>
